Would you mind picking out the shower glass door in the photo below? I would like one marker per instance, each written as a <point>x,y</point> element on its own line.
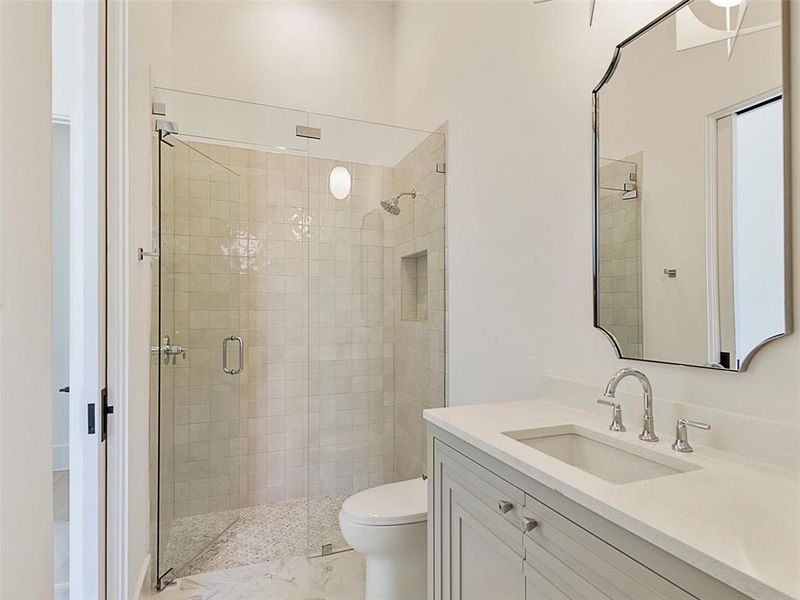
<point>198,351</point>
<point>266,238</point>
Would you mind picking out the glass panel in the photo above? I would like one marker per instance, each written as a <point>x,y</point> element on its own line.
<point>162,384</point>
<point>419,343</point>
<point>270,233</point>
<point>371,370</point>
<point>335,379</point>
<point>202,270</point>
<point>233,122</point>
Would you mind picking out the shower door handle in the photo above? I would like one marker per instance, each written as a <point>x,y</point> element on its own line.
<point>238,340</point>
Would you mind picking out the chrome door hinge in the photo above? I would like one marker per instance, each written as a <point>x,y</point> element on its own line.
<point>141,254</point>
<point>166,127</point>
<point>311,133</point>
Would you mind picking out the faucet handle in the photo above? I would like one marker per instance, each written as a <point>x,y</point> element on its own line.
<point>681,443</point>
<point>616,416</point>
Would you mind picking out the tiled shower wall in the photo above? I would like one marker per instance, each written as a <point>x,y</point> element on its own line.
<point>620,256</point>
<point>419,349</point>
<point>307,281</point>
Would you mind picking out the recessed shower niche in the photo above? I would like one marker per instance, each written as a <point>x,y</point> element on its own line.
<point>414,287</point>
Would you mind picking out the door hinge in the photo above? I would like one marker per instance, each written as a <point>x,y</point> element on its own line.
<point>106,410</point>
<point>311,133</point>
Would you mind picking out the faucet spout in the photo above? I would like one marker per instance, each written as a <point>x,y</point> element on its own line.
<point>648,426</point>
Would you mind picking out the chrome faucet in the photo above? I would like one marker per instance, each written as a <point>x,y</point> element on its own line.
<point>648,428</point>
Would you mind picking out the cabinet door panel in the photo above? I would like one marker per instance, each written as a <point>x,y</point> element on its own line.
<point>482,566</point>
<point>537,587</point>
<point>560,575</point>
<point>477,548</point>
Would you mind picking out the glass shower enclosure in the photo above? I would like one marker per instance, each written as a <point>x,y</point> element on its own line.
<point>298,326</point>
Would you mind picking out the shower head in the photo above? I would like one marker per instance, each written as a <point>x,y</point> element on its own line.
<point>392,205</point>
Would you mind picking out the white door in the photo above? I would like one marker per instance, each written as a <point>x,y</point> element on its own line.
<point>87,299</point>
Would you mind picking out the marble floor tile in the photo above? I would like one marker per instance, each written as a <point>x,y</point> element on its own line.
<point>61,534</point>
<point>61,495</point>
<point>334,577</point>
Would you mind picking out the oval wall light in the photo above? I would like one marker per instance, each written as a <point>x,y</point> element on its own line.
<point>340,182</point>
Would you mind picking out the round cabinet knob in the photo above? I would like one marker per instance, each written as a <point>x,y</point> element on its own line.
<point>529,524</point>
<point>504,506</point>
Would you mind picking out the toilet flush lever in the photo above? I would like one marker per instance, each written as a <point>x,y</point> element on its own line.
<point>504,506</point>
<point>616,416</point>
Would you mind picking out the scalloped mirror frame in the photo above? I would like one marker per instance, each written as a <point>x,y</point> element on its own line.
<point>787,172</point>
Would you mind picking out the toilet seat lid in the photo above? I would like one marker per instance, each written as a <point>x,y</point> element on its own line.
<point>389,504</point>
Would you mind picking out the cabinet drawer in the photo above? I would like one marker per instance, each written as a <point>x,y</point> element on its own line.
<point>496,493</point>
<point>582,566</point>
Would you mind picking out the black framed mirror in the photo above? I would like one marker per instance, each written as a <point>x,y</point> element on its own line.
<point>692,249</point>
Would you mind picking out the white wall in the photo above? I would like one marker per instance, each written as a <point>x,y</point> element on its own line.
<point>26,499</point>
<point>514,80</point>
<point>331,57</point>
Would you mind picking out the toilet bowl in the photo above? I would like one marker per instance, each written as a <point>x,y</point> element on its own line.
<point>388,525</point>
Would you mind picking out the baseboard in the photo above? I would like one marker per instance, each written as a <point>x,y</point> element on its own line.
<point>143,581</point>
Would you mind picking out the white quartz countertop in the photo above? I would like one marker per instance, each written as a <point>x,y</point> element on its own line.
<point>734,519</point>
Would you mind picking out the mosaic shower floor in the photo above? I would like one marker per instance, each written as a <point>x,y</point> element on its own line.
<point>260,534</point>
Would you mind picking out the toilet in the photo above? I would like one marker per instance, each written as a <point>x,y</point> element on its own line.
<point>388,525</point>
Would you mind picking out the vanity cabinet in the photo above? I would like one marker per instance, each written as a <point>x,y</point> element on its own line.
<point>494,536</point>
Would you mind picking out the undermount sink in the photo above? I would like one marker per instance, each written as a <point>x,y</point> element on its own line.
<point>599,454</point>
